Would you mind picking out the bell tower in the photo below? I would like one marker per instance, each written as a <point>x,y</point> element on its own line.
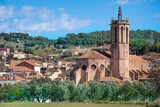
<point>119,63</point>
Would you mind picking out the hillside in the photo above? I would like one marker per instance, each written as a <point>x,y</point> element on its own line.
<point>140,41</point>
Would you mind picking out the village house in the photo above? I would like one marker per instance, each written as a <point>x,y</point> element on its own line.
<point>61,71</point>
<point>4,52</point>
<point>74,52</point>
<point>51,57</point>
<point>154,59</point>
<point>19,55</point>
<point>20,66</point>
<point>114,64</point>
<point>7,50</point>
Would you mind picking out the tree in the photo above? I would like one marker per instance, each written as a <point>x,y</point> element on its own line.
<point>95,90</point>
<point>155,78</point>
<point>100,43</point>
<point>20,50</point>
<point>28,50</point>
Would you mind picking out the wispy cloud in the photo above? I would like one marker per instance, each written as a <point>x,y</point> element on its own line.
<point>61,9</point>
<point>122,1</point>
<point>33,19</point>
<point>157,15</point>
<point>131,1</point>
<point>6,12</point>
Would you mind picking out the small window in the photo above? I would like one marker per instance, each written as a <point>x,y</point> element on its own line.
<point>93,67</point>
<point>102,67</point>
<point>84,67</point>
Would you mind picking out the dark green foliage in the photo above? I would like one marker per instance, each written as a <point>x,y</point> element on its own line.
<point>28,50</point>
<point>2,46</point>
<point>20,50</point>
<point>99,38</point>
<point>43,89</point>
<point>139,46</point>
<point>96,90</point>
<point>84,39</point>
<point>155,48</point>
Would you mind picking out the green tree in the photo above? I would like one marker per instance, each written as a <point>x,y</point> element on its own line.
<point>28,50</point>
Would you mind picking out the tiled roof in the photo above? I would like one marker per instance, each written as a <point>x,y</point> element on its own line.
<point>32,62</point>
<point>14,65</point>
<point>67,62</point>
<point>21,76</point>
<point>136,58</point>
<point>21,69</point>
<point>110,79</point>
<point>93,55</point>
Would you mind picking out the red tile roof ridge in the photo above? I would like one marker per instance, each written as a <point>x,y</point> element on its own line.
<point>93,55</point>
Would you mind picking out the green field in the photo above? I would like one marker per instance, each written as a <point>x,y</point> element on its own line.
<point>66,104</point>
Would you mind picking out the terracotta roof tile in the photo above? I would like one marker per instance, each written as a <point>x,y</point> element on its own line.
<point>93,55</point>
<point>136,58</point>
<point>21,69</point>
<point>14,65</point>
<point>110,79</point>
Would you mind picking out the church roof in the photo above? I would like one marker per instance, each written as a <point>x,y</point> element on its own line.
<point>93,55</point>
<point>97,55</point>
<point>109,78</point>
<point>136,58</point>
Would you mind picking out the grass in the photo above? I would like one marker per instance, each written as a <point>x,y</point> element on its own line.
<point>66,104</point>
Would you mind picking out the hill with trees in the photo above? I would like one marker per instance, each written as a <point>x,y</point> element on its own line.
<point>141,42</point>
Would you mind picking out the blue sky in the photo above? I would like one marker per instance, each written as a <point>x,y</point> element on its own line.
<point>56,18</point>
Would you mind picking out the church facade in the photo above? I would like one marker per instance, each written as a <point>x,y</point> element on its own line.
<point>116,65</point>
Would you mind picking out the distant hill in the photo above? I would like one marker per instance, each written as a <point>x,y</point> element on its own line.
<point>21,41</point>
<point>99,37</point>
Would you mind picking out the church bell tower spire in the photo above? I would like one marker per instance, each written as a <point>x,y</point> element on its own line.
<point>120,47</point>
<point>119,13</point>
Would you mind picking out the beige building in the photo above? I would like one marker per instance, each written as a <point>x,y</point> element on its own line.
<point>19,55</point>
<point>116,65</point>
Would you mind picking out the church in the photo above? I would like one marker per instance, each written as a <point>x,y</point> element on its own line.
<point>113,65</point>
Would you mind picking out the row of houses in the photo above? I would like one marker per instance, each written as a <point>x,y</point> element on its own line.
<point>25,70</point>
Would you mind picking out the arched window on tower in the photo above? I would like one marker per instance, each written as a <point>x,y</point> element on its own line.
<point>127,35</point>
<point>115,34</point>
<point>121,34</point>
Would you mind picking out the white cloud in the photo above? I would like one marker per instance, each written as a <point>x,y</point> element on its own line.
<point>122,1</point>
<point>28,11</point>
<point>131,1</point>
<point>6,12</point>
<point>61,9</point>
<point>157,15</point>
<point>32,19</point>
